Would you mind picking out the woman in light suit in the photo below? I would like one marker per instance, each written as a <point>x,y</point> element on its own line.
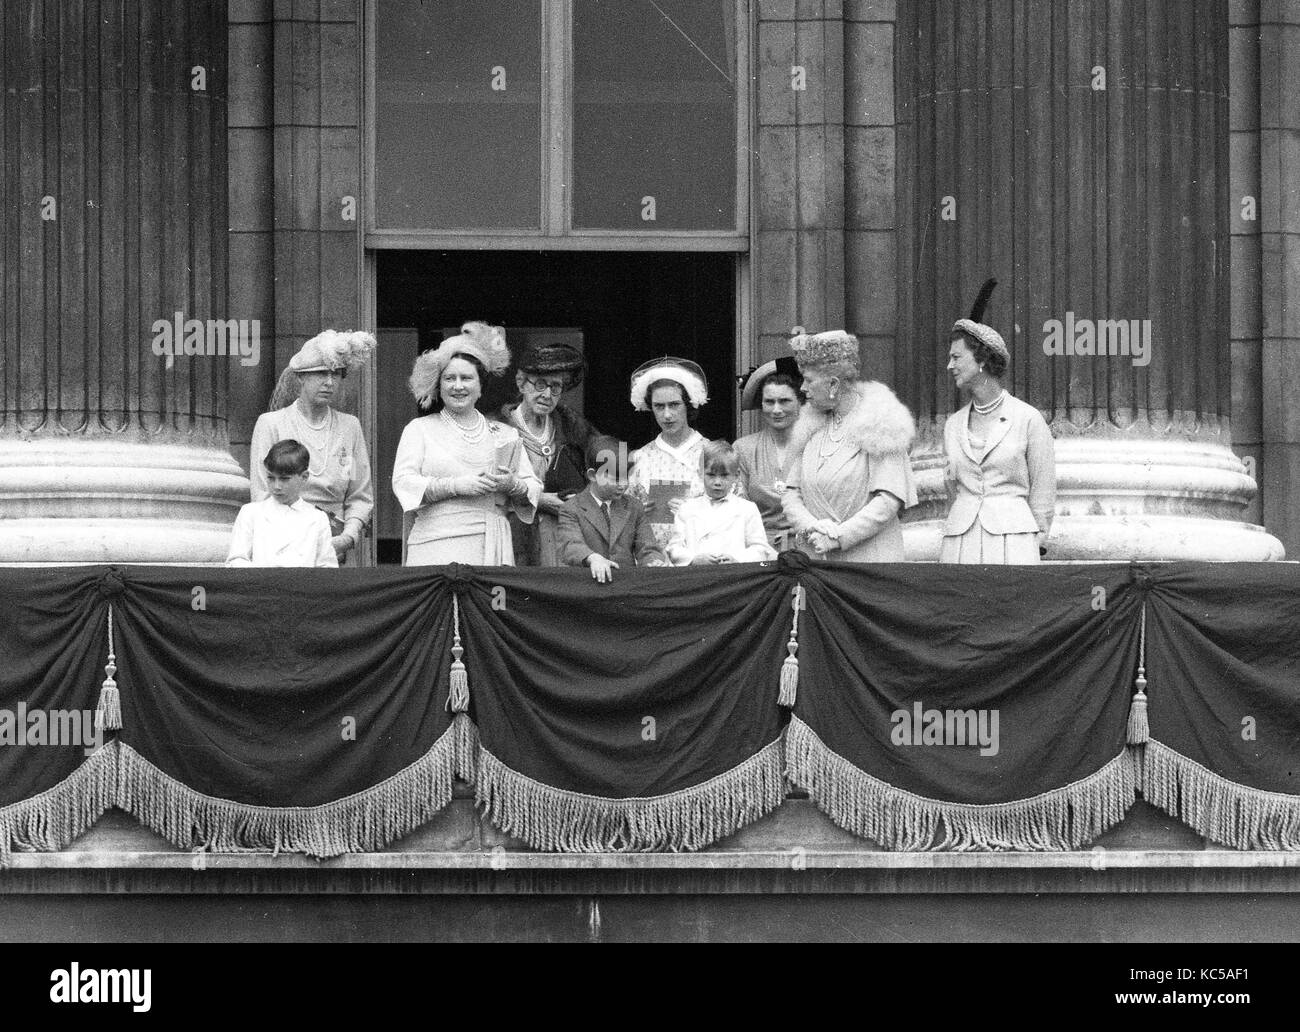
<point>1001,464</point>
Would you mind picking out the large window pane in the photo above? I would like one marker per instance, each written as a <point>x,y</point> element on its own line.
<point>654,114</point>
<point>458,114</point>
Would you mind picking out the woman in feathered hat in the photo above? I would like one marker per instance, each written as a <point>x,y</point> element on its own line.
<point>852,477</point>
<point>456,472</point>
<point>667,470</point>
<point>554,437</point>
<point>303,409</point>
<point>773,389</point>
<point>1001,463</point>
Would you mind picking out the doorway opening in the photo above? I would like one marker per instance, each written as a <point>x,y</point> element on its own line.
<point>619,308</point>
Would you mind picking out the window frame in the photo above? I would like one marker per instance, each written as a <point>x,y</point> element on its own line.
<point>557,232</point>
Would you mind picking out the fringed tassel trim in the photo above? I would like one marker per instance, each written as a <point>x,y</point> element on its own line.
<point>1062,819</point>
<point>556,820</point>
<point>1139,732</point>
<point>458,686</point>
<point>362,822</point>
<point>1224,811</point>
<point>789,687</point>
<point>108,713</point>
<point>52,820</point>
<point>466,745</point>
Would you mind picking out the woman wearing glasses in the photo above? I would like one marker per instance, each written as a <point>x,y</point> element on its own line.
<point>555,440</point>
<point>304,408</point>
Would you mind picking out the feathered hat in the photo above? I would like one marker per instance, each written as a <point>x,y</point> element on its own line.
<point>485,343</point>
<point>814,349</point>
<point>986,335</point>
<point>750,382</point>
<point>345,350</point>
<point>679,370</point>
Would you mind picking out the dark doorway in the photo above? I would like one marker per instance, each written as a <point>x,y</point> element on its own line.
<point>628,307</point>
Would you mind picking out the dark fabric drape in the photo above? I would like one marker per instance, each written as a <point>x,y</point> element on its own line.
<point>53,649</point>
<point>250,698</point>
<point>1050,655</point>
<point>642,689</point>
<point>1223,665</point>
<point>249,693</point>
<point>323,712</point>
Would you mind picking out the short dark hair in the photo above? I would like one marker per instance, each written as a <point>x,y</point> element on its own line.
<point>287,458</point>
<point>436,404</point>
<point>994,364</point>
<point>601,447</point>
<point>686,396</point>
<point>779,380</point>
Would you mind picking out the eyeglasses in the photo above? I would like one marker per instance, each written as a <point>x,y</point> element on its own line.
<point>555,387</point>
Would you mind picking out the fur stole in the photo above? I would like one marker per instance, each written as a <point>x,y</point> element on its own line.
<point>880,423</point>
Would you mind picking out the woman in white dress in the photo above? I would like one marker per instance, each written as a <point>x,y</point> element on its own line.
<point>457,473</point>
<point>303,408</point>
<point>1000,460</point>
<point>666,471</point>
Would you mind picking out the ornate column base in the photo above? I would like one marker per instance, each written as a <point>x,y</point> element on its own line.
<point>1120,499</point>
<point>72,500</point>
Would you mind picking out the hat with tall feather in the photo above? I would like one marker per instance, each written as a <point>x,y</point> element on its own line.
<point>973,326</point>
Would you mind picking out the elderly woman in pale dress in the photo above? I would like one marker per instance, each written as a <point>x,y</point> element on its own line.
<point>1001,462</point>
<point>852,477</point>
<point>666,472</point>
<point>457,473</point>
<point>304,408</point>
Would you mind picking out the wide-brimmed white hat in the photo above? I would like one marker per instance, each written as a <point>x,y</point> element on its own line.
<point>679,370</point>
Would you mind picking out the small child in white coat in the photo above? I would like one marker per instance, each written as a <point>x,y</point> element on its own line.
<point>720,526</point>
<point>282,529</point>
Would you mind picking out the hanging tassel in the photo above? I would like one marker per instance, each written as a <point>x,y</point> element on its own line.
<point>1139,733</point>
<point>790,668</point>
<point>458,697</point>
<point>108,714</point>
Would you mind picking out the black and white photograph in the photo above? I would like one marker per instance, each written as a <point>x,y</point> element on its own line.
<point>381,382</point>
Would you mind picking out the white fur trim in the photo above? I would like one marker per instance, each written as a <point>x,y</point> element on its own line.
<point>879,423</point>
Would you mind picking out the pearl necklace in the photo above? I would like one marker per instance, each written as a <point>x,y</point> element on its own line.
<point>474,434</point>
<point>984,410</point>
<point>543,442</point>
<point>328,427</point>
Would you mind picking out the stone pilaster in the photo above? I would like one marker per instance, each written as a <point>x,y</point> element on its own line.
<point>799,241</point>
<point>1279,235</point>
<point>114,201</point>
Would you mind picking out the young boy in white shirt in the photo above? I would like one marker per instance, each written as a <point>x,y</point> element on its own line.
<point>282,529</point>
<point>720,526</point>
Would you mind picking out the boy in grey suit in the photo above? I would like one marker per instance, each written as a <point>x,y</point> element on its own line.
<point>603,527</point>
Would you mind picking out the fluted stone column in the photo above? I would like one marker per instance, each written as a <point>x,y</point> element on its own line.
<point>114,207</point>
<point>1078,151</point>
